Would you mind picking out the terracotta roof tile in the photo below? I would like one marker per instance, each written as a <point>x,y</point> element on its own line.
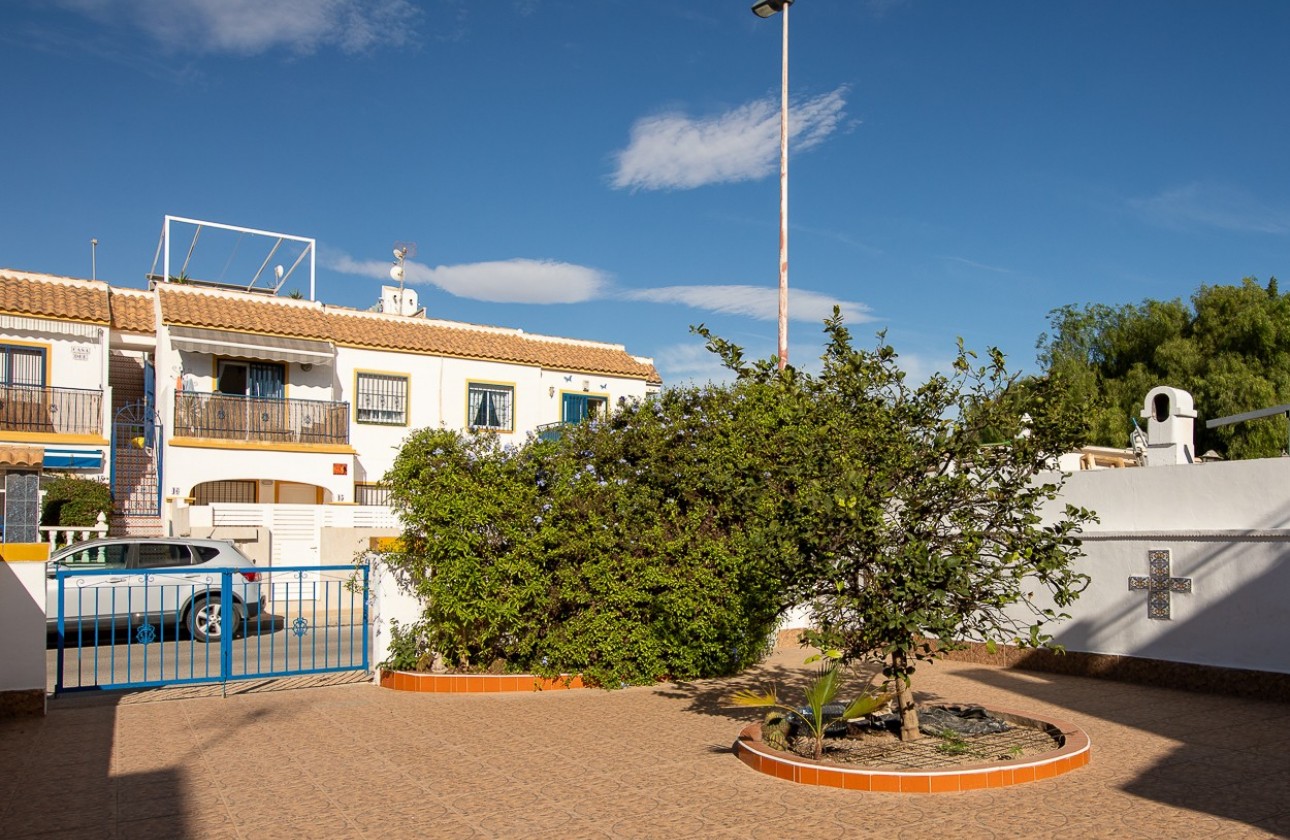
<point>241,313</point>
<point>46,296</point>
<point>384,332</point>
<point>133,311</point>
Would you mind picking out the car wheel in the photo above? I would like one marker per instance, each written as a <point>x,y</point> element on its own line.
<point>208,620</point>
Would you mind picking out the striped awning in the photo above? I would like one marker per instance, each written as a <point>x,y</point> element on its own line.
<point>73,459</point>
<point>252,346</point>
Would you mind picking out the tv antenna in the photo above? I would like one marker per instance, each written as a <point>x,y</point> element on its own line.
<point>402,250</point>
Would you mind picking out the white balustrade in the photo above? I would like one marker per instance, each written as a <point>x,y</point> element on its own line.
<point>61,536</point>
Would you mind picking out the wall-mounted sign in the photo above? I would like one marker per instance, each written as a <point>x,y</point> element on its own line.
<point>340,469</point>
<point>80,354</point>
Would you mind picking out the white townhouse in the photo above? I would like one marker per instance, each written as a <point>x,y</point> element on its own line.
<point>189,398</point>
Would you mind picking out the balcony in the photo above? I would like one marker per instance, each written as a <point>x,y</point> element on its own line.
<point>260,419</point>
<point>58,411</point>
<point>551,431</point>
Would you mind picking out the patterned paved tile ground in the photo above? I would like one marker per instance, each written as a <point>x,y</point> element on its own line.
<point>353,760</point>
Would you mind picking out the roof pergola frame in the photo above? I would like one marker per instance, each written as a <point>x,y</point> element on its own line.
<point>272,286</point>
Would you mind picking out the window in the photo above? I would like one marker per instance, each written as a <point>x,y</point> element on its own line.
<point>111,556</point>
<point>371,494</point>
<point>155,555</point>
<point>489,406</point>
<point>578,407</point>
<point>235,492</point>
<point>252,379</point>
<point>22,365</point>
<point>381,398</point>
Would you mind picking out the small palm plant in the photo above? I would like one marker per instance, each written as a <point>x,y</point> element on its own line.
<point>820,693</point>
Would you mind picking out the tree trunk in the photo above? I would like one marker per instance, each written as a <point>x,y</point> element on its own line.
<point>905,699</point>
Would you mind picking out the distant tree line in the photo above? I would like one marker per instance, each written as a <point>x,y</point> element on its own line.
<point>1229,346</point>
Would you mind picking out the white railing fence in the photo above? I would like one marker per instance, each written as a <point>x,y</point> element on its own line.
<point>61,536</point>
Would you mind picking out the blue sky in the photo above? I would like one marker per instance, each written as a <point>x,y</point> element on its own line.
<point>608,169</point>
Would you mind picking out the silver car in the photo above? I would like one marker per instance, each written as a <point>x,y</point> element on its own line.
<point>151,584</point>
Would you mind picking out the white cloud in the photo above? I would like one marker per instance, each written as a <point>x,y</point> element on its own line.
<point>500,281</point>
<point>691,363</point>
<point>919,367</point>
<point>1212,205</point>
<point>758,302</point>
<point>249,27</point>
<point>676,151</point>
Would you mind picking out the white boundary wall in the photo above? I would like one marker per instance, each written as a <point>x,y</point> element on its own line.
<point>1226,526</point>
<point>22,626</point>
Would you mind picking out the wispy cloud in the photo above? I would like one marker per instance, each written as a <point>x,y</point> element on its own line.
<point>676,151</point>
<point>978,265</point>
<point>549,281</point>
<point>761,303</point>
<point>1212,205</point>
<point>250,27</point>
<point>499,281</point>
<point>691,362</point>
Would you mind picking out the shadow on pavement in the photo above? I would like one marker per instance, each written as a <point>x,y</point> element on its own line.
<point>1232,755</point>
<point>56,775</point>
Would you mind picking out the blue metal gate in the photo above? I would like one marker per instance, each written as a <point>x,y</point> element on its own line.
<point>136,461</point>
<point>117,629</point>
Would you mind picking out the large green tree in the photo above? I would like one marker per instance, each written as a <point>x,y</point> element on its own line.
<point>1229,346</point>
<point>920,533</point>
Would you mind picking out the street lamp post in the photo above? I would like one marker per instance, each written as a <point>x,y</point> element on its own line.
<point>765,9</point>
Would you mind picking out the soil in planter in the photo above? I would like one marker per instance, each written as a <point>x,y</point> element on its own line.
<point>877,747</point>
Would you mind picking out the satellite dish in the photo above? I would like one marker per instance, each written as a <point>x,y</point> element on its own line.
<point>396,273</point>
<point>278,271</point>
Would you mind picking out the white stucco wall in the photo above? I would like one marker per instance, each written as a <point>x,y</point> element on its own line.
<point>438,396</point>
<point>388,603</point>
<point>75,362</point>
<point>22,626</point>
<point>187,466</point>
<point>1227,528</point>
<point>1205,496</point>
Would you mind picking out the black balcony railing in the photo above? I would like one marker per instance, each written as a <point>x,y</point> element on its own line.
<point>60,411</point>
<point>232,417</point>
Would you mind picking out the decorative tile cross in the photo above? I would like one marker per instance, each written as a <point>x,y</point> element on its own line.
<point>1159,584</point>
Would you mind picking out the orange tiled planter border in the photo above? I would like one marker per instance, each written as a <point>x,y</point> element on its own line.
<point>474,683</point>
<point>1073,753</point>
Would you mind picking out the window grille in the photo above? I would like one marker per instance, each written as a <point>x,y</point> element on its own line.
<point>490,406</point>
<point>382,398</point>
<point>22,365</point>
<point>371,494</point>
<point>229,492</point>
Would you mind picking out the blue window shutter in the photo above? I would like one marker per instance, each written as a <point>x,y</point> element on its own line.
<point>575,408</point>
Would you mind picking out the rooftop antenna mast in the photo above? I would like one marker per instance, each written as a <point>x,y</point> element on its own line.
<point>402,250</point>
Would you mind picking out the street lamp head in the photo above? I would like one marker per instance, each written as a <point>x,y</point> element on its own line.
<point>767,8</point>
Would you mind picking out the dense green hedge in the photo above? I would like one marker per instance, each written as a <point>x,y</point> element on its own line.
<point>625,551</point>
<point>74,501</point>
